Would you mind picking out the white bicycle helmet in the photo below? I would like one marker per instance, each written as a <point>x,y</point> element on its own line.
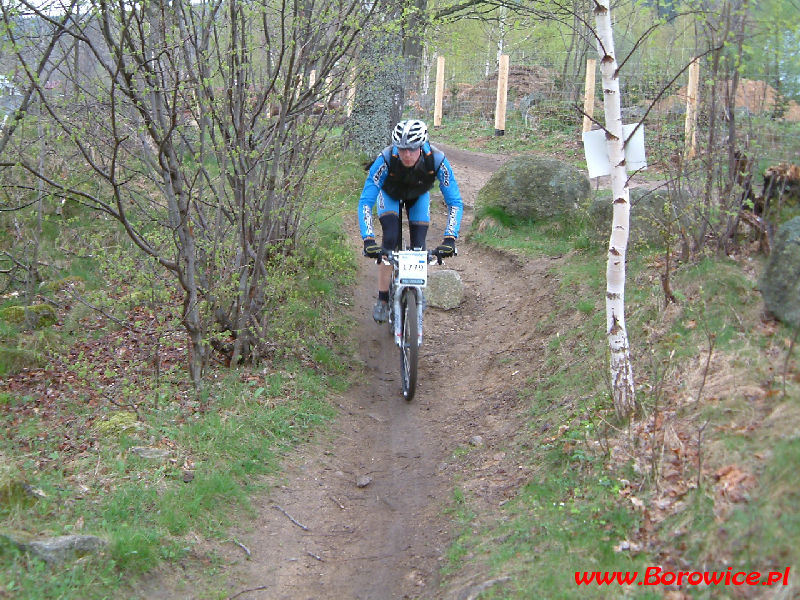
<point>410,134</point>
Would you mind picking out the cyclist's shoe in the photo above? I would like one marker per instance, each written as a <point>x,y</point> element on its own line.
<point>381,311</point>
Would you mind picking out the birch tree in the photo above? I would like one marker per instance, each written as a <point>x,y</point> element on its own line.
<point>620,364</point>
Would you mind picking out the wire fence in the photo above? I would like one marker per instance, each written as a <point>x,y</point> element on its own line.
<point>547,96</point>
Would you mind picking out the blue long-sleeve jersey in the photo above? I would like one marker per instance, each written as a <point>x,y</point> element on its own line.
<point>379,172</point>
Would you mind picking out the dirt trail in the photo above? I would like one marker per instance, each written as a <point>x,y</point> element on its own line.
<point>387,540</point>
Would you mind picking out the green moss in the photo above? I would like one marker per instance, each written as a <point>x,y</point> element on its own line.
<point>37,315</point>
<point>13,314</point>
<point>57,285</point>
<point>118,423</point>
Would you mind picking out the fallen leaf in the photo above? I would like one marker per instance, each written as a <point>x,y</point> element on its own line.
<point>734,483</point>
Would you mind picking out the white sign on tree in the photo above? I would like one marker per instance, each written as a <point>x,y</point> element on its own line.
<point>596,150</point>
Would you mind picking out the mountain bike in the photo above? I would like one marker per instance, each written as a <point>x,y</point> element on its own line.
<point>406,306</point>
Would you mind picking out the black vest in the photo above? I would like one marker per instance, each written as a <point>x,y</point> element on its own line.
<point>407,184</point>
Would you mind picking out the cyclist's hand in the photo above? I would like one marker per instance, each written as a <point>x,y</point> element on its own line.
<point>446,248</point>
<point>372,249</point>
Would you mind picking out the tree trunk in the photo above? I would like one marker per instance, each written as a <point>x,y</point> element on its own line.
<point>734,198</point>
<point>620,364</point>
<point>414,26</point>
<point>379,97</point>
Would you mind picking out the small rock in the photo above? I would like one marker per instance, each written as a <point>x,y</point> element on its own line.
<point>445,289</point>
<point>35,316</point>
<point>363,481</point>
<point>475,590</point>
<point>476,441</point>
<point>150,453</point>
<point>188,476</point>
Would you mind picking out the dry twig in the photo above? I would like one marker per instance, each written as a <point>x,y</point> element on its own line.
<point>292,519</point>
<point>243,547</point>
<point>712,339</point>
<point>255,589</point>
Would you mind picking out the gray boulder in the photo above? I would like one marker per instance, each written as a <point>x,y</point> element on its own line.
<point>66,547</point>
<point>56,550</point>
<point>780,281</point>
<point>648,221</point>
<point>445,289</point>
<point>534,187</point>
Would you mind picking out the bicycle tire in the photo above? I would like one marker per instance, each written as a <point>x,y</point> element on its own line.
<point>409,350</point>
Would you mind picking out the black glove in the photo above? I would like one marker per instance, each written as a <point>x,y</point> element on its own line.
<point>446,248</point>
<point>372,249</point>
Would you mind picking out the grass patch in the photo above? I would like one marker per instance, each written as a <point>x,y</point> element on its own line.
<point>479,134</point>
<point>143,507</point>
<point>554,237</point>
<point>563,523</point>
<point>710,396</point>
<point>462,515</point>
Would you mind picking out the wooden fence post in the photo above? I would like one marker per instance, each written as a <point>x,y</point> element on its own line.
<point>588,94</point>
<point>502,93</point>
<point>690,130</point>
<point>439,97</point>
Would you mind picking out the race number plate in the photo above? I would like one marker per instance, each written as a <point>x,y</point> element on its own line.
<point>413,267</point>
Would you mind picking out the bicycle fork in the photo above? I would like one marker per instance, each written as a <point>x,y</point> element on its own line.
<point>398,308</point>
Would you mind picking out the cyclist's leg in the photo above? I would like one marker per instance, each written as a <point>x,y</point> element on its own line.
<point>390,223</point>
<point>389,217</point>
<point>419,218</point>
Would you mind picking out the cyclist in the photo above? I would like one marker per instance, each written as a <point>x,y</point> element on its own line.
<point>402,175</point>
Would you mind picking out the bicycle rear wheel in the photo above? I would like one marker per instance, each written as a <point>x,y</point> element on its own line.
<point>409,350</point>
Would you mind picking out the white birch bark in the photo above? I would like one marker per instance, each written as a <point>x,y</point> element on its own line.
<point>621,369</point>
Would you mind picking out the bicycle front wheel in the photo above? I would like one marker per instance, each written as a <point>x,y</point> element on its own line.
<point>409,350</point>
<point>391,309</point>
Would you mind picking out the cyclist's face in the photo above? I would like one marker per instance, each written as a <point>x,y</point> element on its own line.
<point>409,157</point>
